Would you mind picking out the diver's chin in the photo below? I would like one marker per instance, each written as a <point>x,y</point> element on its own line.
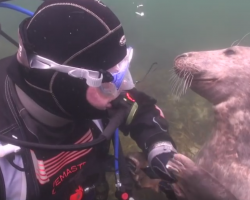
<point>108,106</point>
<point>102,106</point>
<point>105,106</point>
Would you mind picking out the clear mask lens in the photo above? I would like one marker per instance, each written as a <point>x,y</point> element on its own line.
<point>122,77</point>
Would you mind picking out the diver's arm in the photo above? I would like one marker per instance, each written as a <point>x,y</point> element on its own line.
<point>148,125</point>
<point>149,129</point>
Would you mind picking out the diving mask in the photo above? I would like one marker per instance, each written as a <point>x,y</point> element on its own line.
<point>115,80</point>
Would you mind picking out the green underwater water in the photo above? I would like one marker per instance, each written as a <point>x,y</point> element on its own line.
<point>167,29</point>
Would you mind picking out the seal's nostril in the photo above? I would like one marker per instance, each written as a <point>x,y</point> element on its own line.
<point>183,55</point>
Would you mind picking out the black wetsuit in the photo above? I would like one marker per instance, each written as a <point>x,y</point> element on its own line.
<point>62,175</point>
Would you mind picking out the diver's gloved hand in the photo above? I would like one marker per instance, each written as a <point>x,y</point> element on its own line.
<point>159,155</point>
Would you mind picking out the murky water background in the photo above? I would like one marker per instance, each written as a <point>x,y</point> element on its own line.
<point>168,28</point>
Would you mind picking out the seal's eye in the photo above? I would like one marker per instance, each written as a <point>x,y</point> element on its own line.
<point>229,52</point>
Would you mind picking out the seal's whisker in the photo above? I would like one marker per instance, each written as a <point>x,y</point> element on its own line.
<point>234,43</point>
<point>191,80</point>
<point>183,88</point>
<point>176,81</point>
<point>172,77</point>
<point>242,38</point>
<point>185,84</point>
<point>179,89</point>
<point>185,77</point>
<point>172,72</point>
<point>183,80</point>
<point>176,88</point>
<point>171,80</point>
<point>179,83</point>
<point>182,83</point>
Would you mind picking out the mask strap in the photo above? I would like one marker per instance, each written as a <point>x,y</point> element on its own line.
<point>93,78</point>
<point>25,48</point>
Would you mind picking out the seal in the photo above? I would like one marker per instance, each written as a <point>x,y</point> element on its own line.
<point>222,77</point>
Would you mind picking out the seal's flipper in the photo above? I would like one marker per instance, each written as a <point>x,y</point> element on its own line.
<point>181,166</point>
<point>194,183</point>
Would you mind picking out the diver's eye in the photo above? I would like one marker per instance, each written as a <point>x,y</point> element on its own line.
<point>229,52</point>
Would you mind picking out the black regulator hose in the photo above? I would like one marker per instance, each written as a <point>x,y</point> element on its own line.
<point>116,120</point>
<point>7,37</point>
<point>119,115</point>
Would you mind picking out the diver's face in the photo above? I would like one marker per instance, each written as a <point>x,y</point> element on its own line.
<point>99,100</point>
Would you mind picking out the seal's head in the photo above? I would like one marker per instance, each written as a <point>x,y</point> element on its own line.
<point>227,69</point>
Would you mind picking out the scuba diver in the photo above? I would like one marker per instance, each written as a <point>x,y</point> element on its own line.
<point>64,93</point>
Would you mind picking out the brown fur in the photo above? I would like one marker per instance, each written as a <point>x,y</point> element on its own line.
<point>223,78</point>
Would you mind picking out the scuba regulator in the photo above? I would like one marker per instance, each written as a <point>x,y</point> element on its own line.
<point>123,110</point>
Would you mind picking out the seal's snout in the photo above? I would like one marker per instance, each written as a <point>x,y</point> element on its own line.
<point>180,63</point>
<point>179,60</point>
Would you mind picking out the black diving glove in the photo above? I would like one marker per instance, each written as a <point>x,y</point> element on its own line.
<point>159,155</point>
